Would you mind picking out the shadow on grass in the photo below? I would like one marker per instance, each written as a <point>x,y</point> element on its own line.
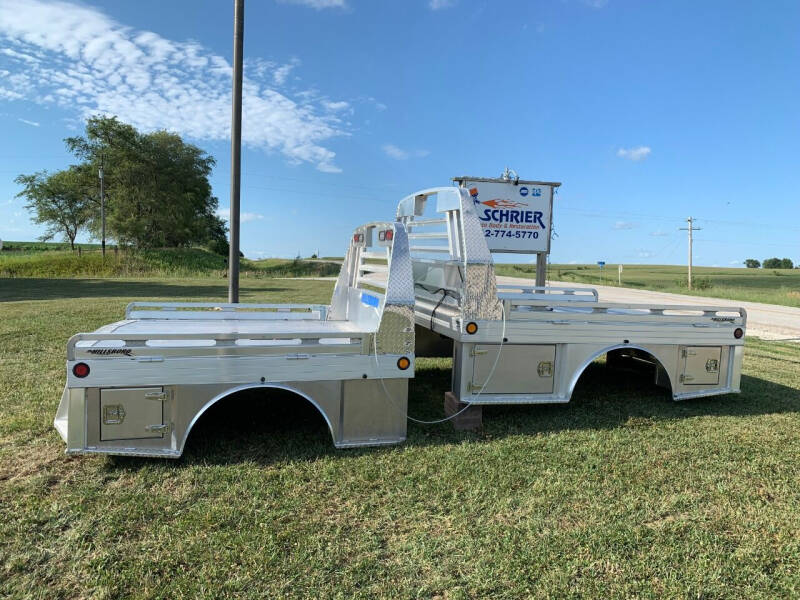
<point>13,289</point>
<point>270,429</point>
<point>606,399</point>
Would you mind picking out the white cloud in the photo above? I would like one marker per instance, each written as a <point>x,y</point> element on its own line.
<point>441,4</point>
<point>244,217</point>
<point>397,153</point>
<point>336,106</point>
<point>736,262</point>
<point>624,225</point>
<point>31,123</point>
<point>595,3</point>
<point>638,153</point>
<point>646,254</point>
<point>318,4</point>
<point>77,58</point>
<point>659,233</point>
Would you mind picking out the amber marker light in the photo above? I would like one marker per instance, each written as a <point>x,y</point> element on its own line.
<point>472,328</point>
<point>403,363</point>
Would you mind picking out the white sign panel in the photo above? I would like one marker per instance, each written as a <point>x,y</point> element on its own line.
<point>515,218</point>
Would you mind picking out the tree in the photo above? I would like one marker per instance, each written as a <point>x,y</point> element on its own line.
<point>58,201</point>
<point>157,188</point>
<point>752,263</point>
<point>778,263</point>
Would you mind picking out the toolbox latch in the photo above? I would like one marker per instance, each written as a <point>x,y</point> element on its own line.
<point>113,414</point>
<point>545,368</point>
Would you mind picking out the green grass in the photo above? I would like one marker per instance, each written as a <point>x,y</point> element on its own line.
<point>166,262</point>
<point>31,247</point>
<point>773,286</point>
<point>621,493</point>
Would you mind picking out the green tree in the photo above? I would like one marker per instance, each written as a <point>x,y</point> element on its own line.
<point>157,188</point>
<point>752,263</point>
<point>778,263</point>
<point>58,201</point>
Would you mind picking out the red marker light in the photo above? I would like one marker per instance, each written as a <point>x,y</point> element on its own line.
<point>738,333</point>
<point>80,370</point>
<point>389,235</point>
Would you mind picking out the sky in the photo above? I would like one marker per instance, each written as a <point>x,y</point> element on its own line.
<point>647,112</point>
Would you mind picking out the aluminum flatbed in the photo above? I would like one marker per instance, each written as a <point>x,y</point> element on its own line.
<point>138,386</point>
<point>519,344</point>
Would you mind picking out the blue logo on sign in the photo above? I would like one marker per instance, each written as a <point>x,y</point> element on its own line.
<point>523,191</point>
<point>536,192</point>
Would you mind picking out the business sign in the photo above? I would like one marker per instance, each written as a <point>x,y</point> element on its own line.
<point>514,218</point>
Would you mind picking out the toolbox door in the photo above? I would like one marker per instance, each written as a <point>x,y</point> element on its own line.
<point>701,365</point>
<point>521,369</point>
<point>132,413</point>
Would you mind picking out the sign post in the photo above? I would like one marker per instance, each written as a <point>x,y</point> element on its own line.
<point>601,264</point>
<point>619,275</point>
<point>516,216</point>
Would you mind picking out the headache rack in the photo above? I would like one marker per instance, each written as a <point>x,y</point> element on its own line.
<point>519,343</point>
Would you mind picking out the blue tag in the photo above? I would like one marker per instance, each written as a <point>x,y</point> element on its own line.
<point>370,300</point>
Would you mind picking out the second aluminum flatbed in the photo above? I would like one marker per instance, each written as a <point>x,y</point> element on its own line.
<point>519,344</point>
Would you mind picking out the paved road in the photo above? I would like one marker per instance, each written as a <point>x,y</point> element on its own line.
<point>767,321</point>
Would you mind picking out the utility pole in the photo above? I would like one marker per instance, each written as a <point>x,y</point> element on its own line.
<point>236,150</point>
<point>102,208</point>
<point>690,229</point>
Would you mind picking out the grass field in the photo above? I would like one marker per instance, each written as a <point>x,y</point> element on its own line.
<point>37,260</point>
<point>774,286</point>
<point>621,493</point>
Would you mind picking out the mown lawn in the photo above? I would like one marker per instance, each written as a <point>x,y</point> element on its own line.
<point>621,493</point>
<point>773,286</point>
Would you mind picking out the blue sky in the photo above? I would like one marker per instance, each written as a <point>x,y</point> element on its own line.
<point>648,112</point>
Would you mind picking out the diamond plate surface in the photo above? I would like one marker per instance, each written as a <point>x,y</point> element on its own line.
<point>396,331</point>
<point>476,249</point>
<point>480,294</point>
<point>400,286</point>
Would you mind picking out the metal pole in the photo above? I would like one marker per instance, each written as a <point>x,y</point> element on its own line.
<point>236,150</point>
<point>102,208</point>
<point>541,269</point>
<point>690,253</point>
<point>690,229</point>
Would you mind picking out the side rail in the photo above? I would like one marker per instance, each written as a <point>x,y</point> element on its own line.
<point>157,346</point>
<point>513,291</point>
<point>224,311</point>
<point>546,310</point>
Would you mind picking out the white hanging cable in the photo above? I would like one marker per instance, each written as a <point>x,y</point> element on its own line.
<point>454,415</point>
